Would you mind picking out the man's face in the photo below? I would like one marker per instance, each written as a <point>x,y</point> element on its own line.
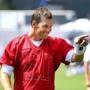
<point>44,28</point>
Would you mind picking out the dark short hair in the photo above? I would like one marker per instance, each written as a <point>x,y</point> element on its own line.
<point>40,13</point>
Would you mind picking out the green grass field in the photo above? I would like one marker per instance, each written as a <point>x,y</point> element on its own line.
<point>63,82</point>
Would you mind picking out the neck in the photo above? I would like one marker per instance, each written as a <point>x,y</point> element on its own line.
<point>34,37</point>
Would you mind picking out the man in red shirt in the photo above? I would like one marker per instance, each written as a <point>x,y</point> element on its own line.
<point>34,57</point>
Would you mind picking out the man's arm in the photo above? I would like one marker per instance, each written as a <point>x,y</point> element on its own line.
<point>80,47</point>
<point>5,81</point>
<point>87,73</point>
<point>5,74</point>
<point>77,58</point>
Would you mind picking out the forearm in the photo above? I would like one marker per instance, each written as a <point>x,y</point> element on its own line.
<point>86,68</point>
<point>78,53</point>
<point>5,81</point>
<point>87,73</point>
<point>77,58</point>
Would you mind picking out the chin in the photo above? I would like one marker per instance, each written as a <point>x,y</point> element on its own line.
<point>44,37</point>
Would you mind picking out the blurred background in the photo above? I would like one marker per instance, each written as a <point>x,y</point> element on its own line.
<point>71,18</point>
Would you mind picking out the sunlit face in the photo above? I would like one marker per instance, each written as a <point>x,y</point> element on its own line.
<point>44,28</point>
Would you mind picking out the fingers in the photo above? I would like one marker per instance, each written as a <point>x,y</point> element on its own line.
<point>84,42</point>
<point>77,40</point>
<point>81,40</point>
<point>84,36</point>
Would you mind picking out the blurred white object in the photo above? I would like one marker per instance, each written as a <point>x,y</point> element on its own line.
<point>78,25</point>
<point>87,54</point>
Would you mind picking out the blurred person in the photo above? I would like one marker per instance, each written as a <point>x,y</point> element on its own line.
<point>87,67</point>
<point>34,57</point>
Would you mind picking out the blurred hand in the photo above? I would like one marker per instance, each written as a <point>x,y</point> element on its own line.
<point>81,40</point>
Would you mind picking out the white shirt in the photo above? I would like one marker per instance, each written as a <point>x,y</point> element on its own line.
<point>87,54</point>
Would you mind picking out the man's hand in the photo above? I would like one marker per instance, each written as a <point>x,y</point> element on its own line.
<point>80,44</point>
<point>81,40</point>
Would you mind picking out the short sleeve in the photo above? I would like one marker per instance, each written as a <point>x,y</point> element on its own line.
<point>10,54</point>
<point>66,48</point>
<point>61,49</point>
